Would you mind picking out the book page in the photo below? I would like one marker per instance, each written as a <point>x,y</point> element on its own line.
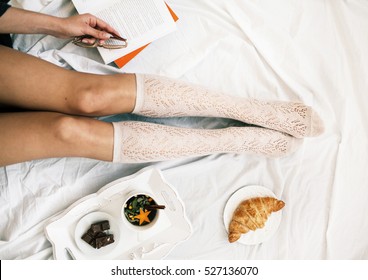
<point>139,21</point>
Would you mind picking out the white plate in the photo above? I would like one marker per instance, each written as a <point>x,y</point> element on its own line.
<point>170,228</point>
<point>259,235</point>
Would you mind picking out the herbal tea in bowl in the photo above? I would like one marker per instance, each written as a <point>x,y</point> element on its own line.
<point>140,211</point>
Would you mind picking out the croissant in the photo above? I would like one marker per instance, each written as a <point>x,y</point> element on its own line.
<point>252,214</point>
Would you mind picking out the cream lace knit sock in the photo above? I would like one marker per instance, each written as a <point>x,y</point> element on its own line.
<point>136,142</point>
<point>163,97</point>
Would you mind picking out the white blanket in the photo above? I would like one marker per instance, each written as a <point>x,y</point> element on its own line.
<point>312,51</point>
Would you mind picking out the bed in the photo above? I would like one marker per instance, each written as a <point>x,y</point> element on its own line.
<point>311,51</point>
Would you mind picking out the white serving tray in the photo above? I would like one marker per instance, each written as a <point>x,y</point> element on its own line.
<point>170,228</point>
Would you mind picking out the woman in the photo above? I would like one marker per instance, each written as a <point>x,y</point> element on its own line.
<point>61,102</point>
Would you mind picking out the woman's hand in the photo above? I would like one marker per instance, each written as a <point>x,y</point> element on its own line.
<point>20,21</point>
<point>85,24</point>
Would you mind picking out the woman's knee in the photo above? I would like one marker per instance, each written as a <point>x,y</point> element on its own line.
<point>68,129</point>
<point>83,137</point>
<point>89,100</point>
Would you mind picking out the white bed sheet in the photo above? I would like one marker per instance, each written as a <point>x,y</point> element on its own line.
<point>313,51</point>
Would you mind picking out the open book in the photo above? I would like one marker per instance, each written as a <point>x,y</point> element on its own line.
<point>139,21</point>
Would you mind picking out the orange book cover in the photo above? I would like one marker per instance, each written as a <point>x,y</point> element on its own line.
<point>120,62</point>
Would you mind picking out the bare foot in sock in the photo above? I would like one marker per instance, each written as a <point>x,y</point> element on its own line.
<point>146,142</point>
<point>294,118</point>
<point>163,97</point>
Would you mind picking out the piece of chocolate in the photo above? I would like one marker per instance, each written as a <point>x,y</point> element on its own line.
<point>104,241</point>
<point>96,235</point>
<point>105,225</point>
<point>87,237</point>
<point>100,226</point>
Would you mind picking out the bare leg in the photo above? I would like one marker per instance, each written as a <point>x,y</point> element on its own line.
<point>35,135</point>
<point>31,83</point>
<point>38,85</point>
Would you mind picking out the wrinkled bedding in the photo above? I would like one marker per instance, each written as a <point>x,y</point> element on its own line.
<point>310,51</point>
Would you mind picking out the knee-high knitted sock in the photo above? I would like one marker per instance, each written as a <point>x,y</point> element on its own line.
<point>163,97</point>
<point>146,142</point>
